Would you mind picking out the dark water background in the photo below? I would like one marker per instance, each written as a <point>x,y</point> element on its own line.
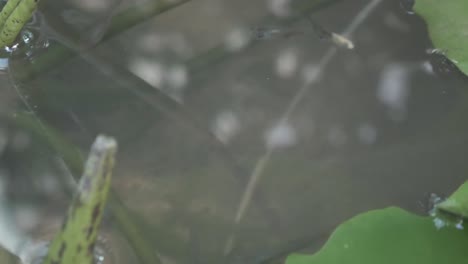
<point>382,127</point>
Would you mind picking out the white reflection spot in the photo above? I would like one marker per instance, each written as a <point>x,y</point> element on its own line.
<point>286,63</point>
<point>280,8</point>
<point>225,126</point>
<point>427,67</point>
<point>393,90</point>
<point>237,39</point>
<point>281,136</point>
<point>367,133</point>
<point>150,71</point>
<point>4,63</point>
<point>439,223</point>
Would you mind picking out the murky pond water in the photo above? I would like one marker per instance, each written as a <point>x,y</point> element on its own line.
<point>243,132</point>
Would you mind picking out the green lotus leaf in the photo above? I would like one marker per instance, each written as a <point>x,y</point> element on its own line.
<point>389,236</point>
<point>447,23</point>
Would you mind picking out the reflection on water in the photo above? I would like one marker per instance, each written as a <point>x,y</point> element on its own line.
<point>382,124</point>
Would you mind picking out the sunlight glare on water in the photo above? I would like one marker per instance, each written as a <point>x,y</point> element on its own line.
<point>393,90</point>
<point>282,135</point>
<point>287,63</point>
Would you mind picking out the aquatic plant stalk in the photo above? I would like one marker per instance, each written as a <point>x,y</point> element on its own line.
<point>13,18</point>
<point>7,10</point>
<point>73,159</point>
<point>75,242</point>
<point>263,161</point>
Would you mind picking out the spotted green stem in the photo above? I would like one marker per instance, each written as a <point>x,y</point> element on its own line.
<point>13,17</point>
<point>77,237</point>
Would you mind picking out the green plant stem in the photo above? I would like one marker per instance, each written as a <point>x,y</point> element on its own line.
<point>7,10</point>
<point>76,240</point>
<point>73,157</point>
<point>172,109</point>
<point>13,18</point>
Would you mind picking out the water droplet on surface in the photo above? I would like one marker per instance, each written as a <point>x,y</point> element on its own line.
<point>27,36</point>
<point>439,223</point>
<point>407,6</point>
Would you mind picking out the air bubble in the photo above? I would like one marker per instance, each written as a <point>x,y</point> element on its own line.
<point>27,36</point>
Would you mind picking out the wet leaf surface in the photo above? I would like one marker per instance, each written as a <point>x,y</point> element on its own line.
<point>390,235</point>
<point>447,25</point>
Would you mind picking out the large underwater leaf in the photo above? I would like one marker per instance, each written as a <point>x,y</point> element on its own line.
<point>389,236</point>
<point>447,23</point>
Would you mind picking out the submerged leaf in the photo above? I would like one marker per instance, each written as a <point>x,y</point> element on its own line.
<point>448,28</point>
<point>75,242</point>
<point>390,236</point>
